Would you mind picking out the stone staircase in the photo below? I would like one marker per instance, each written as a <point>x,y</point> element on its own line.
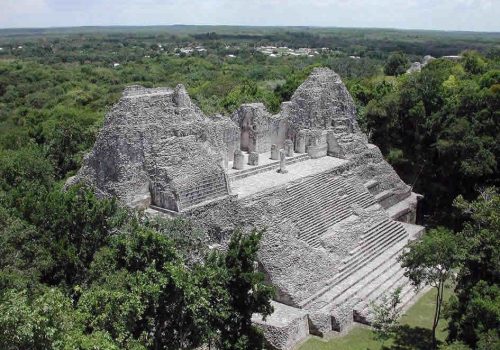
<point>361,309</point>
<point>212,187</point>
<point>370,270</point>
<point>254,170</point>
<point>319,202</point>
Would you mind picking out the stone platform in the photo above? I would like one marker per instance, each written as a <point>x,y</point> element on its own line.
<point>286,327</point>
<point>265,180</point>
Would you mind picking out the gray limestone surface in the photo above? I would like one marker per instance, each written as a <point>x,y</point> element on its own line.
<point>284,328</point>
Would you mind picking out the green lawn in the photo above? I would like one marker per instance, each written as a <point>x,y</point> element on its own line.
<point>414,334</point>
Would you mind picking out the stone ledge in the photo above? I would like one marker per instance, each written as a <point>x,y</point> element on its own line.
<point>286,327</point>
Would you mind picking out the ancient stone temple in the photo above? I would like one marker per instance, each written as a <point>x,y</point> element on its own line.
<point>337,214</point>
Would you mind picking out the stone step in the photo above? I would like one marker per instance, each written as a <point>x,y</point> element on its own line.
<point>190,201</point>
<point>362,311</point>
<point>363,270</point>
<point>319,197</point>
<point>192,192</point>
<point>326,218</point>
<point>330,205</point>
<point>373,294</point>
<point>193,196</point>
<point>391,276</point>
<point>372,186</point>
<point>359,288</point>
<point>312,192</point>
<point>327,215</point>
<point>374,249</point>
<point>334,309</point>
<point>311,183</point>
<point>319,203</point>
<point>381,234</point>
<point>374,233</point>
<point>342,310</point>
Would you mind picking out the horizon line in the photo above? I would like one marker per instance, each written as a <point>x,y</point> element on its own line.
<point>243,25</point>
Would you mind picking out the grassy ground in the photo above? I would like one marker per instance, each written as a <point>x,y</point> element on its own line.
<point>415,333</point>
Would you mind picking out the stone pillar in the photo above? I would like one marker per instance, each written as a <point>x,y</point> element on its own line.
<point>253,158</point>
<point>282,168</point>
<point>238,160</point>
<point>289,148</point>
<point>301,143</point>
<point>275,152</point>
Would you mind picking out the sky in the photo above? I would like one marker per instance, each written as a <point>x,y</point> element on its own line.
<point>470,15</point>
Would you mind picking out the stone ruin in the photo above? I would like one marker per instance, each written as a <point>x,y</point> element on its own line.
<point>336,214</point>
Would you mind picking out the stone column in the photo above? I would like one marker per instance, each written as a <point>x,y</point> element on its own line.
<point>253,158</point>
<point>239,159</point>
<point>282,169</point>
<point>301,143</point>
<point>289,148</point>
<point>275,152</point>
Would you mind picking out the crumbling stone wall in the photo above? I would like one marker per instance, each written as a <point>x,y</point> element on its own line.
<point>260,129</point>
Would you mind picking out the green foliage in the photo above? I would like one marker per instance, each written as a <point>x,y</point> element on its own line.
<point>430,262</point>
<point>24,175</point>
<point>70,227</point>
<point>473,62</point>
<point>122,284</point>
<point>475,310</point>
<point>396,64</point>
<point>386,313</point>
<point>67,135</point>
<point>435,125</point>
<point>43,322</point>
<point>247,293</point>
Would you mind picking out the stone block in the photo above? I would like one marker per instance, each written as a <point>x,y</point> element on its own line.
<point>320,323</point>
<point>253,158</point>
<point>239,160</point>
<point>301,143</point>
<point>286,327</point>
<point>317,151</point>
<point>275,152</point>
<point>282,168</point>
<point>288,148</point>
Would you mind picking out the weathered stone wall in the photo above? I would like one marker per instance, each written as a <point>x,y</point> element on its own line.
<point>156,141</point>
<point>259,129</point>
<point>321,102</point>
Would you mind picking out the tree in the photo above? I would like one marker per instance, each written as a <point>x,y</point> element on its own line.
<point>430,262</point>
<point>474,311</point>
<point>396,64</point>
<point>473,62</point>
<point>25,175</point>
<point>247,293</point>
<point>143,293</point>
<point>386,314</point>
<point>44,321</point>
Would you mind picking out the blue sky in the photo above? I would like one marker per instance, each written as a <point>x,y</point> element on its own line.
<point>476,15</point>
